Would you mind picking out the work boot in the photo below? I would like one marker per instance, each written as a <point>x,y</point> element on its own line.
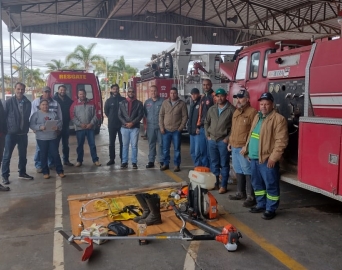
<point>249,202</point>
<point>241,187</point>
<point>154,217</point>
<point>150,165</point>
<point>249,187</point>
<point>141,197</point>
<point>217,184</point>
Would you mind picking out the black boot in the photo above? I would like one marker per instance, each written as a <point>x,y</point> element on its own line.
<point>241,187</point>
<point>141,197</point>
<point>154,217</point>
<point>250,201</point>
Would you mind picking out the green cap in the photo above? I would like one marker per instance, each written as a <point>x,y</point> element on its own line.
<point>220,91</point>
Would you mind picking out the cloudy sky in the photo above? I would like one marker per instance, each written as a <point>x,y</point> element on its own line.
<point>136,53</point>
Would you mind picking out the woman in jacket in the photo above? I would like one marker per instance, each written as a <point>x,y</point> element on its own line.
<point>47,138</point>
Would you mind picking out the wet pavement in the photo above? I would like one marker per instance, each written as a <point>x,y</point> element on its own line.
<point>304,235</point>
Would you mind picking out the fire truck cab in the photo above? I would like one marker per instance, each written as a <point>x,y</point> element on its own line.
<point>75,80</point>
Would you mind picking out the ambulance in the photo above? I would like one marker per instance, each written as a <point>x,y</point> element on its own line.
<point>75,80</point>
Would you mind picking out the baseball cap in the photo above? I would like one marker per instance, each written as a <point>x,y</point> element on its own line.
<point>194,91</point>
<point>220,91</point>
<point>46,89</point>
<point>241,94</point>
<point>266,96</point>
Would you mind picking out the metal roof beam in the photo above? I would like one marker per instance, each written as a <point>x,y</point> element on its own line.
<point>115,8</point>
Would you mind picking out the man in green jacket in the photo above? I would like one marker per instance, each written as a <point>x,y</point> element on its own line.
<point>217,125</point>
<point>266,143</point>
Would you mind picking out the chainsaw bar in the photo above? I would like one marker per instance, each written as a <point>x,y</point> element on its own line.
<point>70,240</point>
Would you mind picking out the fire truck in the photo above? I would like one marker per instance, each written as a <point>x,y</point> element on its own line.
<point>179,67</point>
<point>303,78</point>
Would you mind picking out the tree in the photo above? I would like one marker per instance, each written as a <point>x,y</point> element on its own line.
<point>84,56</point>
<point>33,78</point>
<point>121,71</point>
<point>55,65</point>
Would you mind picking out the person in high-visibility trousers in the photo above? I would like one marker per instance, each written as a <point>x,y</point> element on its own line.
<point>265,145</point>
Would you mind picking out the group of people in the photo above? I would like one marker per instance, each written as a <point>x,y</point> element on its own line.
<point>255,140</point>
<point>48,117</point>
<point>217,129</point>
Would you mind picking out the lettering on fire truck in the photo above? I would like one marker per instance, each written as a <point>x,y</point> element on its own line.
<point>72,76</point>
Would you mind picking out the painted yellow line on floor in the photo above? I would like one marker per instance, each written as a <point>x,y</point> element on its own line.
<point>247,231</point>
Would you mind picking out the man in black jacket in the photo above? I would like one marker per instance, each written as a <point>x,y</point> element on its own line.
<point>111,110</point>
<point>17,114</point>
<point>131,111</point>
<point>65,103</point>
<point>3,131</point>
<point>193,129</point>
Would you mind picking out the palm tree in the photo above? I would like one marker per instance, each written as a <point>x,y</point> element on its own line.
<point>84,56</point>
<point>122,71</point>
<point>33,77</point>
<point>56,65</point>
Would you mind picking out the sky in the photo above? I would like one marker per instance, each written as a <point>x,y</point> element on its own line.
<point>136,53</point>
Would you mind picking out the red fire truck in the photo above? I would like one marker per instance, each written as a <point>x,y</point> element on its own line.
<point>303,78</point>
<point>75,80</point>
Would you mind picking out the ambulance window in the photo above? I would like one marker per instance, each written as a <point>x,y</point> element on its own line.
<point>264,73</point>
<point>241,70</point>
<point>87,88</point>
<point>68,88</point>
<point>254,67</point>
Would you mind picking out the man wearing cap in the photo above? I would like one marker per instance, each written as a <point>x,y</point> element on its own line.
<point>53,107</point>
<point>192,128</point>
<point>173,116</point>
<point>217,126</point>
<point>151,111</point>
<point>207,100</point>
<point>265,145</point>
<point>17,113</point>
<point>241,125</point>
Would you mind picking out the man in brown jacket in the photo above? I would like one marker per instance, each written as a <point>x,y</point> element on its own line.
<point>266,143</point>
<point>242,121</point>
<point>217,125</point>
<point>173,116</point>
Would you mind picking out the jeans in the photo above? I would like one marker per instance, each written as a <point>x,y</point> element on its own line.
<point>11,140</point>
<point>204,149</point>
<point>195,150</point>
<point>220,158</point>
<point>37,158</point>
<point>265,183</point>
<point>130,135</point>
<point>175,137</point>
<point>64,136</point>
<point>80,135</point>
<point>2,146</point>
<point>112,139</point>
<point>241,164</point>
<point>154,136</point>
<point>49,147</point>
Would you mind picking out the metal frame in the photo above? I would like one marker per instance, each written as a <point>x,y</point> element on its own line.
<point>22,44</point>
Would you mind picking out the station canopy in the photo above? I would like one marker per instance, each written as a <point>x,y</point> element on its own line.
<point>220,22</point>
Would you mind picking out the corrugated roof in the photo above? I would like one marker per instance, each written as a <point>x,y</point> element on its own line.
<point>256,19</point>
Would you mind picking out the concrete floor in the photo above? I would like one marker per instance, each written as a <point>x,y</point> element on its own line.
<point>304,235</point>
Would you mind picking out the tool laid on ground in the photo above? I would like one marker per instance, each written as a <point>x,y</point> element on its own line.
<point>229,236</point>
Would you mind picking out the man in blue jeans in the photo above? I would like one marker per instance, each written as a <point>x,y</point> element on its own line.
<point>193,130</point>
<point>83,115</point>
<point>217,126</point>
<point>131,111</point>
<point>17,114</point>
<point>266,143</point>
<point>173,116</point>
